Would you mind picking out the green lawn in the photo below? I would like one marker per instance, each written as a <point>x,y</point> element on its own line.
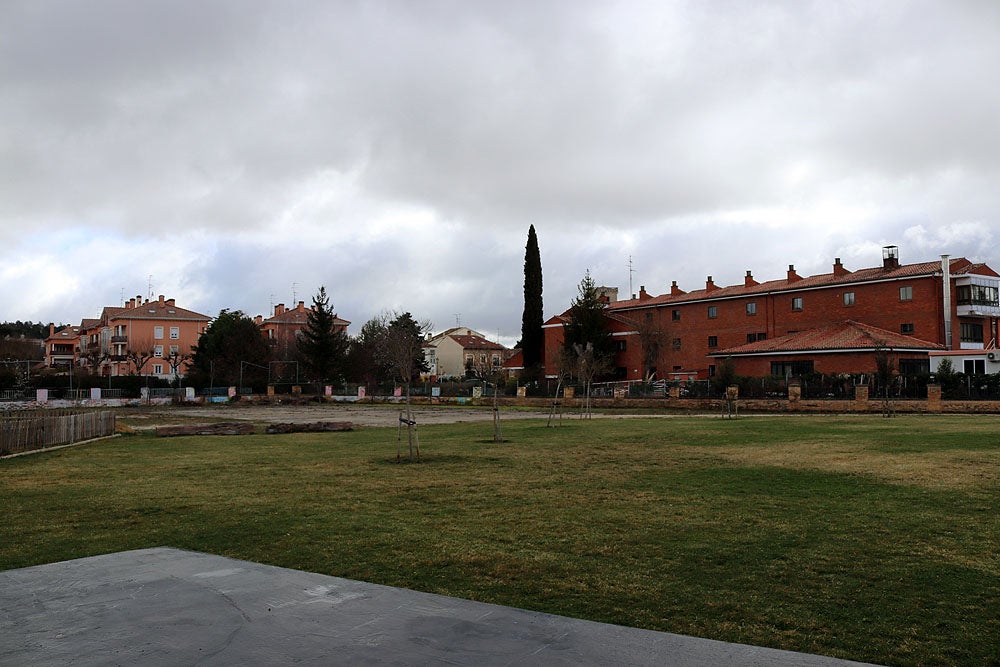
<point>856,537</point>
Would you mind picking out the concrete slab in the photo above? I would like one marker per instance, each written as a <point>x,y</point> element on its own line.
<point>167,606</point>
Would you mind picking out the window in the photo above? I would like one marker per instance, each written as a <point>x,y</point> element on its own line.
<point>174,349</point>
<point>676,344</point>
<point>752,308</point>
<point>158,351</point>
<point>713,312</point>
<point>848,298</point>
<point>675,315</point>
<point>914,366</point>
<point>974,367</point>
<point>711,370</point>
<point>791,368</point>
<point>906,328</point>
<point>797,303</point>
<point>620,345</point>
<point>977,295</point>
<point>158,333</point>
<point>496,360</point>
<point>972,333</point>
<point>906,293</point>
<point>157,369</point>
<point>713,341</point>
<point>754,337</point>
<point>175,333</point>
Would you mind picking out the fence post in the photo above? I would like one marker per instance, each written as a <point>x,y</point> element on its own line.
<point>934,398</point>
<point>861,397</point>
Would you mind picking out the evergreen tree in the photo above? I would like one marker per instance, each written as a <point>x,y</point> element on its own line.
<point>587,322</point>
<point>532,337</point>
<point>322,346</point>
<point>366,357</point>
<point>230,339</point>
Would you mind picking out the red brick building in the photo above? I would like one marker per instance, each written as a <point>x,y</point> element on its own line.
<point>828,323</point>
<point>282,329</point>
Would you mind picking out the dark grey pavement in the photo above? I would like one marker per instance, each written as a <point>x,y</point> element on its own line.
<point>171,607</point>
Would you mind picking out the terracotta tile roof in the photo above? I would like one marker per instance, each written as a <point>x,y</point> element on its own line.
<point>516,360</point>
<point>153,310</point>
<point>476,343</point>
<point>958,265</point>
<point>299,317</point>
<point>847,335</point>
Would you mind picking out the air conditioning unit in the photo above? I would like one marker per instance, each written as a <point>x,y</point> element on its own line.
<point>993,356</point>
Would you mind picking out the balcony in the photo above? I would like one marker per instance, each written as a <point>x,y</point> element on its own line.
<point>119,339</point>
<point>117,357</point>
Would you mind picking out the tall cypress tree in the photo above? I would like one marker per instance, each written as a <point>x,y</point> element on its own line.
<point>532,339</point>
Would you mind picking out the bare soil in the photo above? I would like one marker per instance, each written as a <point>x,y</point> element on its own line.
<point>360,415</point>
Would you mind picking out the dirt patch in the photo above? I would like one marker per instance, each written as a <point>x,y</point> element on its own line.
<point>361,415</point>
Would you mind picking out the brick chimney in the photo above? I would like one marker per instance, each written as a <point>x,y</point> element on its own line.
<point>258,320</point>
<point>675,290</point>
<point>749,281</point>
<point>279,309</point>
<point>301,306</point>
<point>170,302</point>
<point>890,257</point>
<point>710,285</point>
<point>792,276</point>
<point>643,294</point>
<point>161,302</point>
<point>838,268</point>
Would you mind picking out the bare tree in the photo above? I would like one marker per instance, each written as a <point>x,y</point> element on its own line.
<point>885,370</point>
<point>589,364</point>
<point>491,371</point>
<point>652,341</point>
<point>139,352</point>
<point>176,360</point>
<point>404,354</point>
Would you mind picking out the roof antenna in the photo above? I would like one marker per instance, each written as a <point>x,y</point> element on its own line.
<point>149,286</point>
<point>458,319</point>
<point>630,272</point>
<point>294,297</point>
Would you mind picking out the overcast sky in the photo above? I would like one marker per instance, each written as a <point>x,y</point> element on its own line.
<point>241,154</point>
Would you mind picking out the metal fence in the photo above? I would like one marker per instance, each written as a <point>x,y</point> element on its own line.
<point>24,431</point>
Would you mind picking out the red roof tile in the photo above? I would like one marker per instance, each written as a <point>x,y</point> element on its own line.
<point>958,265</point>
<point>847,335</point>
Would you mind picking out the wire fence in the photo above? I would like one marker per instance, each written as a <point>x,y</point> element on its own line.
<point>25,431</point>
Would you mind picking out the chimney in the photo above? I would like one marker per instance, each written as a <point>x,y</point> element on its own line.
<point>838,268</point>
<point>890,257</point>
<point>792,276</point>
<point>258,320</point>
<point>301,306</point>
<point>52,330</point>
<point>279,309</point>
<point>130,303</point>
<point>161,300</point>
<point>643,294</point>
<point>749,281</point>
<point>675,290</point>
<point>170,302</point>
<point>710,285</point>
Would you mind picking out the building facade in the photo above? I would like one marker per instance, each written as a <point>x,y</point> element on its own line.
<point>786,326</point>
<point>143,337</point>
<point>452,352</point>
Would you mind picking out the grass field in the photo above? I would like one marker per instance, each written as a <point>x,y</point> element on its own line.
<point>857,537</point>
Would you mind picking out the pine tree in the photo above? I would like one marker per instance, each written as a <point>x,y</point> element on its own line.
<point>587,323</point>
<point>532,339</point>
<point>322,346</point>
